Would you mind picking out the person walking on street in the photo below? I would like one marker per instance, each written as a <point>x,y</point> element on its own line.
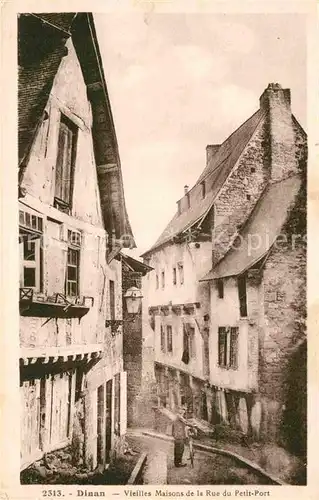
<point>179,434</point>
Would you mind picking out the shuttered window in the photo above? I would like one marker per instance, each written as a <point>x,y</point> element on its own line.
<point>233,355</point>
<point>174,276</point>
<point>188,343</point>
<point>163,279</point>
<point>222,346</point>
<point>220,288</point>
<point>185,356</point>
<point>64,171</point>
<point>162,339</point>
<point>169,338</point>
<point>228,347</point>
<point>242,295</point>
<point>191,340</point>
<point>181,272</point>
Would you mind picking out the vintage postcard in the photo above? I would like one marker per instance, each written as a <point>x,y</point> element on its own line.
<point>159,226</point>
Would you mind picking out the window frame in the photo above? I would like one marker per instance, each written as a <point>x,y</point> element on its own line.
<point>189,341</point>
<point>163,279</point>
<point>174,276</point>
<point>27,263</point>
<point>220,288</point>
<point>162,338</point>
<point>156,282</point>
<point>31,227</point>
<point>76,251</point>
<point>228,348</point>
<point>242,295</point>
<point>169,338</point>
<point>181,276</point>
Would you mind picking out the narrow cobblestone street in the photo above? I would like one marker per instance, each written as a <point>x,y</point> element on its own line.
<point>208,468</point>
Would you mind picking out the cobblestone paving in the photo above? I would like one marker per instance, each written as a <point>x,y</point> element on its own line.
<point>208,468</point>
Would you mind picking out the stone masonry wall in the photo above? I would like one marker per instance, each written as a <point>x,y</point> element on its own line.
<point>232,207</point>
<point>132,346</point>
<point>284,326</point>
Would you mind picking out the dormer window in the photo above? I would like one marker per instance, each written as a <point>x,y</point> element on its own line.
<point>65,162</point>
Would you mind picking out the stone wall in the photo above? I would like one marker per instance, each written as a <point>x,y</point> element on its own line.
<point>241,191</point>
<point>284,326</point>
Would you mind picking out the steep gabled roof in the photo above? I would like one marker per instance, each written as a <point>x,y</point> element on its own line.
<point>42,39</point>
<point>215,174</point>
<point>41,48</point>
<point>260,230</point>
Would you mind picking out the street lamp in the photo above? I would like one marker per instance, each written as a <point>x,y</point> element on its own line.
<point>133,298</point>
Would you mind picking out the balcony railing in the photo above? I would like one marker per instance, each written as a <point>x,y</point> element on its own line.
<point>57,306</point>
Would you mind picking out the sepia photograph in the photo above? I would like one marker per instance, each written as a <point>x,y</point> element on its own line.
<point>162,222</point>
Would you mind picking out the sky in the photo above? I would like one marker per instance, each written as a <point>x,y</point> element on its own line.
<point>178,82</point>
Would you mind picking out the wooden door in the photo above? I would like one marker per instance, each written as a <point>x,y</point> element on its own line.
<point>30,421</point>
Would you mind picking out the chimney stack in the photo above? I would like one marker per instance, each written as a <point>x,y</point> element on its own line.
<point>211,150</point>
<point>185,189</point>
<point>276,102</point>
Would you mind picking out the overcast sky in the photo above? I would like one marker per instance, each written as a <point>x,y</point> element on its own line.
<point>178,82</point>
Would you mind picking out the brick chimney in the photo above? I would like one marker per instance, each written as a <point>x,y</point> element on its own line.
<point>276,102</point>
<point>185,189</point>
<point>211,149</point>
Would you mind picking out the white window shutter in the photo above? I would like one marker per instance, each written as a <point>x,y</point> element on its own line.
<point>123,403</point>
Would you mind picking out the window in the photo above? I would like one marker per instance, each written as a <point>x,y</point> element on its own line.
<point>169,332</point>
<point>112,299</point>
<point>220,288</point>
<point>253,170</point>
<point>248,196</point>
<point>242,295</point>
<point>203,184</point>
<point>74,239</point>
<point>163,279</point>
<point>188,343</point>
<point>157,282</point>
<point>31,262</point>
<point>179,209</point>
<point>64,171</point>
<point>174,276</point>
<point>180,272</point>
<point>73,267</point>
<point>30,221</point>
<point>30,236</point>
<point>228,347</point>
<point>162,339</point>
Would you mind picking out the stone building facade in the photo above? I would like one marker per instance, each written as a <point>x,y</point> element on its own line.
<point>137,349</point>
<point>248,311</point>
<point>72,226</point>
